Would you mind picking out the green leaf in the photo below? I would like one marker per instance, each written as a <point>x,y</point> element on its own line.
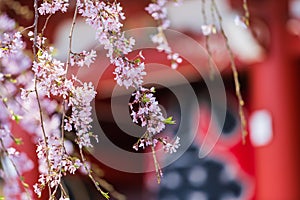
<point>18,141</point>
<point>16,118</point>
<point>105,194</point>
<point>137,61</point>
<point>2,198</point>
<point>169,120</point>
<point>39,53</point>
<point>145,99</point>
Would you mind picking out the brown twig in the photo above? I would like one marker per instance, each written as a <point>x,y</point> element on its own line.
<point>83,159</point>
<point>235,75</point>
<point>34,46</point>
<point>156,165</point>
<point>246,12</point>
<point>64,102</point>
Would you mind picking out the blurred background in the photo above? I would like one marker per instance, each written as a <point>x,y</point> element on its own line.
<point>266,167</point>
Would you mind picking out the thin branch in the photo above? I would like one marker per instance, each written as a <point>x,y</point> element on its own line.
<point>64,103</point>
<point>26,28</point>
<point>24,184</point>
<point>247,13</point>
<point>207,37</point>
<point>71,37</point>
<point>110,189</point>
<point>34,46</point>
<point>46,23</point>
<point>235,75</point>
<point>83,159</point>
<point>156,165</point>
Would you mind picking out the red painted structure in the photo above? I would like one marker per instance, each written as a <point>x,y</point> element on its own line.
<point>274,85</point>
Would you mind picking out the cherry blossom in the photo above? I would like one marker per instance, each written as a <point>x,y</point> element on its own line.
<point>41,92</point>
<point>60,163</point>
<point>14,65</point>
<point>106,19</point>
<point>129,73</point>
<point>10,43</point>
<point>158,10</point>
<point>241,21</point>
<point>145,142</point>
<point>10,39</point>
<point>148,111</point>
<point>51,75</point>
<point>171,147</point>
<point>37,93</point>
<point>208,29</point>
<point>51,78</point>
<point>83,58</point>
<point>174,57</point>
<point>52,6</point>
<point>80,101</point>
<point>102,16</point>
<point>168,147</point>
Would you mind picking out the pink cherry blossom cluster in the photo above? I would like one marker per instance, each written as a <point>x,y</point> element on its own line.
<point>106,19</point>
<point>51,74</point>
<point>13,65</point>
<point>103,16</point>
<point>52,6</point>
<point>54,162</point>
<point>83,58</point>
<point>52,93</point>
<point>171,147</point>
<point>148,111</point>
<point>158,10</point>
<point>145,142</point>
<point>10,40</point>
<point>167,146</point>
<point>10,43</point>
<point>52,81</point>
<point>129,73</point>
<point>80,102</point>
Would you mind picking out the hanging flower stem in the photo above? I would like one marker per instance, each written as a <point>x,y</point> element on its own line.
<point>235,75</point>
<point>207,38</point>
<point>35,32</point>
<point>156,165</point>
<point>21,178</point>
<point>89,172</point>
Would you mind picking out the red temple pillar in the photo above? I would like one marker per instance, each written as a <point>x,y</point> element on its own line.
<point>275,87</point>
